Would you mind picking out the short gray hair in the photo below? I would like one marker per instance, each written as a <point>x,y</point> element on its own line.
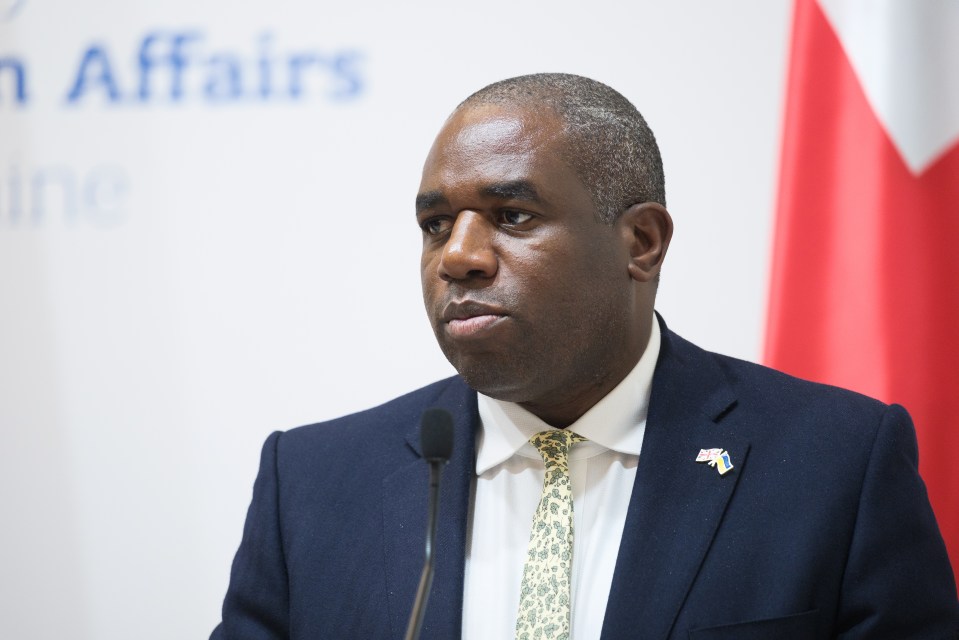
<point>611,147</point>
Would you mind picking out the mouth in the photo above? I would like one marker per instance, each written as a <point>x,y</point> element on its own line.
<point>467,318</point>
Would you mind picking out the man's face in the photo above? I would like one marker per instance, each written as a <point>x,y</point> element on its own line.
<point>527,291</point>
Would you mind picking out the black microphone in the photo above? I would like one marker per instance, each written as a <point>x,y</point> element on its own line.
<point>436,441</point>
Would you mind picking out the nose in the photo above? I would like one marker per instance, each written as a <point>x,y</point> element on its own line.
<point>469,251</point>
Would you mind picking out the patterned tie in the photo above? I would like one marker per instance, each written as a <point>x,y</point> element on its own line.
<point>544,600</point>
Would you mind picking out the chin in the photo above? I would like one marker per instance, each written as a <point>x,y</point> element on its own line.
<point>502,383</point>
<point>489,379</point>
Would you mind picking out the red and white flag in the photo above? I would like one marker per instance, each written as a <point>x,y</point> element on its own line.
<point>865,279</point>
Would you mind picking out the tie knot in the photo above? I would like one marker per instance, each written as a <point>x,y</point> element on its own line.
<point>554,445</point>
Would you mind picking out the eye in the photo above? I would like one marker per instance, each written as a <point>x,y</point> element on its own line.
<point>435,226</point>
<point>515,218</point>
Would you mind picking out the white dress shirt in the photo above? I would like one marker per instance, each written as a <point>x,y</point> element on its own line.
<point>508,485</point>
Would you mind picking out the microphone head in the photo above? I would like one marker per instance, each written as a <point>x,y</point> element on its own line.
<point>436,435</point>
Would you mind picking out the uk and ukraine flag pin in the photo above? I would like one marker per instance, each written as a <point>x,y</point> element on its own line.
<point>718,458</point>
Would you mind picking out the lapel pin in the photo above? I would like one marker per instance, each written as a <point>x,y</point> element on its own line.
<point>708,455</point>
<point>718,458</point>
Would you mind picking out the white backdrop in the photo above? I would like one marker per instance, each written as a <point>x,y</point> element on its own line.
<point>207,233</point>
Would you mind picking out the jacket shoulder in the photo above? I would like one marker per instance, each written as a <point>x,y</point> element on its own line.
<point>763,387</point>
<point>386,422</point>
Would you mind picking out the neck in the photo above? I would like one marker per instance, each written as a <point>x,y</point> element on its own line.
<point>564,407</point>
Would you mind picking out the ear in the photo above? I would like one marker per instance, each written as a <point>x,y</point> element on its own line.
<point>647,228</point>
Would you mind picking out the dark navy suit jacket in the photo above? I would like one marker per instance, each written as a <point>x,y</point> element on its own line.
<point>822,529</point>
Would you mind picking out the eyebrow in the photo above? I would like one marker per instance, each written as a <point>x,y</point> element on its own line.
<point>429,200</point>
<point>510,190</point>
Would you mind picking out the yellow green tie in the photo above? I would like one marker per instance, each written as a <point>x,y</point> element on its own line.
<point>544,601</point>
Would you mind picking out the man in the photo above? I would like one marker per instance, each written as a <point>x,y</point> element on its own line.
<point>544,231</point>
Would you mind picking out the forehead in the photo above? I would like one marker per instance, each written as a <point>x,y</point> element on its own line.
<point>495,143</point>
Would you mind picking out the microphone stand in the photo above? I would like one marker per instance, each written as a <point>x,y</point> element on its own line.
<point>426,578</point>
<point>436,442</point>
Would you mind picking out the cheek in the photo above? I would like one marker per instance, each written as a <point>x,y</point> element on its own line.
<point>537,259</point>
<point>428,275</point>
<point>577,282</point>
<point>434,289</point>
<point>556,263</point>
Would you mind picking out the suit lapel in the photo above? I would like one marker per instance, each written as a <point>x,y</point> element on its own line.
<point>676,504</point>
<point>404,521</point>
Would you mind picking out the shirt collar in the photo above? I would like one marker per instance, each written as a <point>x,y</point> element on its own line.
<point>616,422</point>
